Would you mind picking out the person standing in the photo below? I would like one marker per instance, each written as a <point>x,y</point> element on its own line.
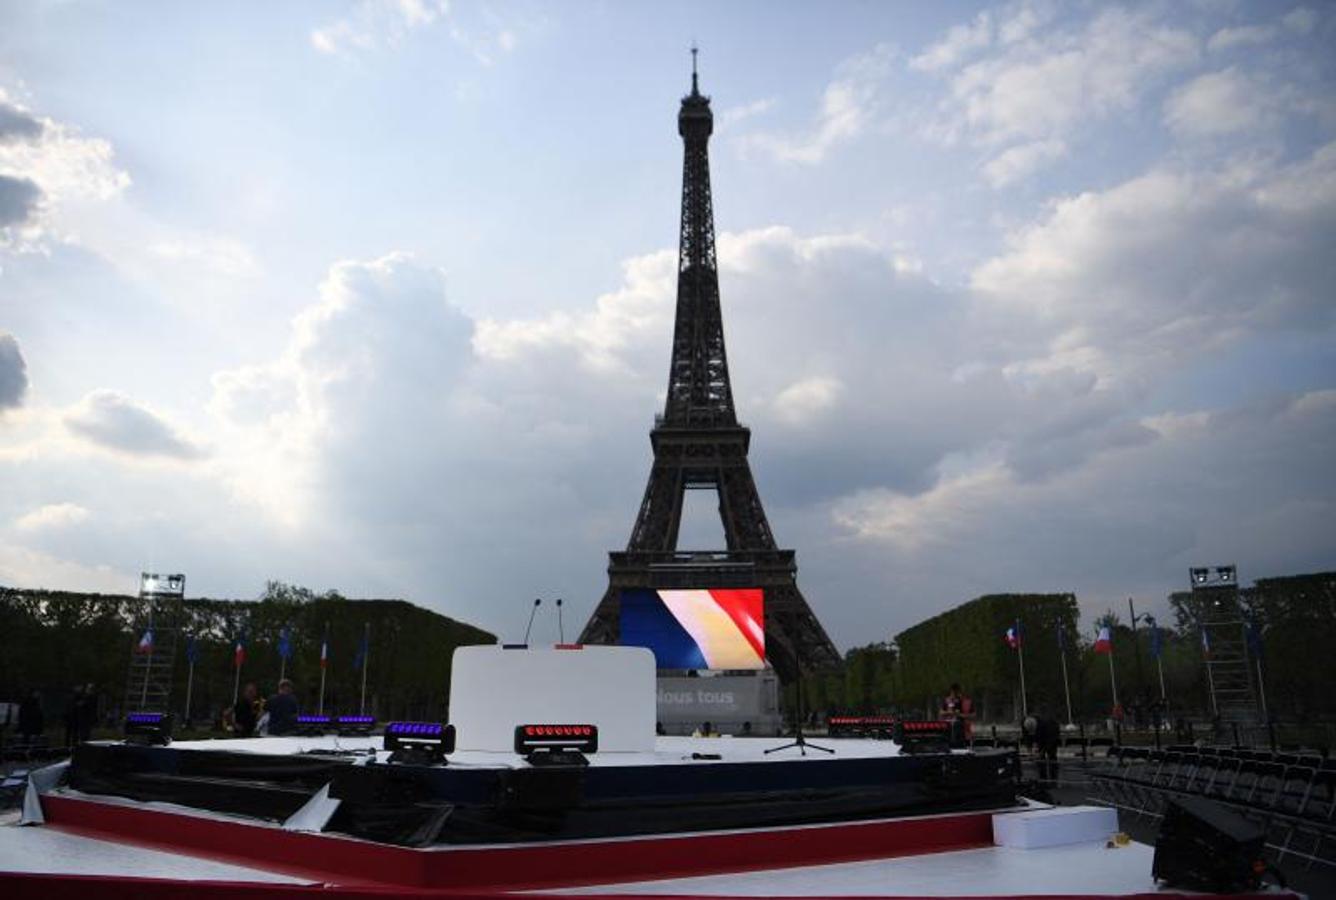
<point>1047,734</point>
<point>283,710</point>
<point>245,716</point>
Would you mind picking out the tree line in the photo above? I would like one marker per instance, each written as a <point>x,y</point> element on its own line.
<point>1294,618</point>
<point>57,639</point>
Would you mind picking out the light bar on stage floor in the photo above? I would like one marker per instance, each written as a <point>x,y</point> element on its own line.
<point>428,742</point>
<point>148,728</point>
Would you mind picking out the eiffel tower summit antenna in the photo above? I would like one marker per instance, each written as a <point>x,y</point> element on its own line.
<point>699,445</point>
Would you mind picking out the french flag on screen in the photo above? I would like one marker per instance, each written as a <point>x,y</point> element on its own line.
<point>145,644</point>
<point>704,628</point>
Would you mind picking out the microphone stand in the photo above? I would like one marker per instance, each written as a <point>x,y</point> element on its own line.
<point>533,612</point>
<point>799,740</point>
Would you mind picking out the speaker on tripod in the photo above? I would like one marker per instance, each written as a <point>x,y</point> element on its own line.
<point>1204,846</point>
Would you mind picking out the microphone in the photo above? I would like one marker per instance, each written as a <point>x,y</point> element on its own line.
<point>532,613</point>
<point>561,630</point>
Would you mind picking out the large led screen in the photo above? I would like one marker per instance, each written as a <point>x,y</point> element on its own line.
<point>714,628</point>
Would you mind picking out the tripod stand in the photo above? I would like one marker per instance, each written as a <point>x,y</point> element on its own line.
<point>799,740</point>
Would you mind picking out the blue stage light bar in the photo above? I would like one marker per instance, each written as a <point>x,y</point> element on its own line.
<point>308,724</point>
<point>428,740</point>
<point>148,728</point>
<point>354,724</point>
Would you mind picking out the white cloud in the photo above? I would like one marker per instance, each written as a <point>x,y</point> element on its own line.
<point>112,420</point>
<point>958,43</point>
<point>1017,162</point>
<point>1091,529</point>
<point>44,166</point>
<point>805,400</point>
<point>1301,20</point>
<point>1241,36</point>
<point>1221,103</point>
<point>24,567</point>
<point>13,373</point>
<point>1033,92</point>
<point>1174,263</point>
<point>63,163</point>
<point>224,255</point>
<point>53,516</point>
<point>377,23</point>
<point>730,117</point>
<point>849,106</point>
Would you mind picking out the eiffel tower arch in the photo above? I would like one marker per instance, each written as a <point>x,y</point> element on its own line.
<point>699,444</point>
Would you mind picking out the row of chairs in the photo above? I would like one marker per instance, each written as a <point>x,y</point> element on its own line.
<point>1293,795</point>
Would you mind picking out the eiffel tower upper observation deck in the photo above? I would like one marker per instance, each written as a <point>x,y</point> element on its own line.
<point>698,444</point>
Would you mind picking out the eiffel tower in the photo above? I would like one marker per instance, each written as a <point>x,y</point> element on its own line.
<point>698,444</point>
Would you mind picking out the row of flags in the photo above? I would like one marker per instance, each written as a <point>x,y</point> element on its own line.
<point>1104,639</point>
<point>145,645</point>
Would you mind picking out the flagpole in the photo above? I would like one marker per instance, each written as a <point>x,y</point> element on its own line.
<point>236,685</point>
<point>148,663</point>
<point>1113,680</point>
<point>1261,688</point>
<point>366,658</point>
<point>1160,664</point>
<point>1020,655</point>
<point>190,683</point>
<point>1066,688</point>
<point>324,662</point>
<point>282,666</point>
<point>1210,677</point>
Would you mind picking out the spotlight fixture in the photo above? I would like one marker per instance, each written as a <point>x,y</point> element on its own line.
<point>556,745</point>
<point>354,724</point>
<point>923,735</point>
<point>424,743</point>
<point>1213,576</point>
<point>150,728</point>
<point>313,725</point>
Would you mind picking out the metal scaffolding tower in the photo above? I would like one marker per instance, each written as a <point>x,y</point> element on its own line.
<point>148,686</point>
<point>1229,666</point>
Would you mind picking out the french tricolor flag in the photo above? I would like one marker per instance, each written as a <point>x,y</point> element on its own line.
<point>1013,637</point>
<point>1205,644</point>
<point>324,653</point>
<point>240,655</point>
<point>145,644</point>
<point>1104,643</point>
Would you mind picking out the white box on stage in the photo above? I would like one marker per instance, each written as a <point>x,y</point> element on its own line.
<point>1054,827</point>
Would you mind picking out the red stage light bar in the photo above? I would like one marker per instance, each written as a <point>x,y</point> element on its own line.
<point>581,738</point>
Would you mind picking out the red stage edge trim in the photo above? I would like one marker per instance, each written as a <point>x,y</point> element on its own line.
<point>110,887</point>
<point>345,860</point>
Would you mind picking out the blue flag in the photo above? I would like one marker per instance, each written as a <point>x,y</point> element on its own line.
<point>1156,645</point>
<point>1254,634</point>
<point>192,650</point>
<point>285,643</point>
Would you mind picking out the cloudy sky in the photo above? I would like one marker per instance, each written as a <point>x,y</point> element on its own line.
<point>377,295</point>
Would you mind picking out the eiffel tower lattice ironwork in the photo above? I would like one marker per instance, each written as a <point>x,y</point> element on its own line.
<point>148,686</point>
<point>698,444</point>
